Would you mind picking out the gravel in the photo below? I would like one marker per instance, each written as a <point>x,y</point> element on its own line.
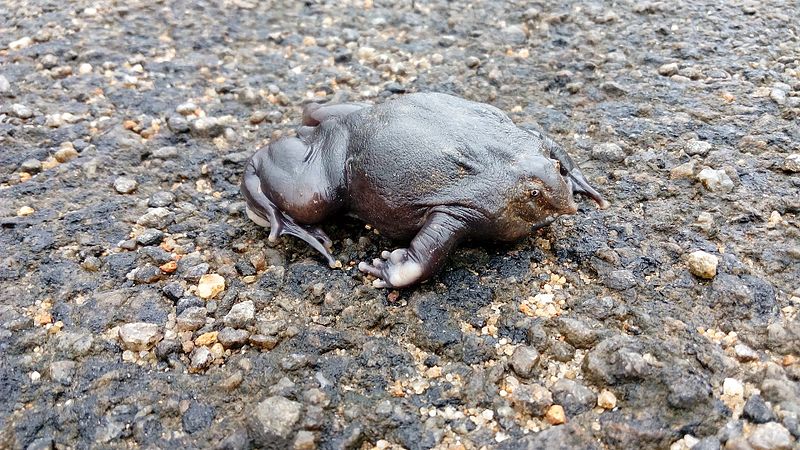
<point>683,114</point>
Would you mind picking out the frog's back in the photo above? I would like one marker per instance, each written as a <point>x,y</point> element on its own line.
<point>426,150</point>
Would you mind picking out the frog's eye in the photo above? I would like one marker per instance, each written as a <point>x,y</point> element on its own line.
<point>534,193</point>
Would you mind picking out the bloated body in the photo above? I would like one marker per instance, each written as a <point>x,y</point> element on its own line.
<point>432,168</point>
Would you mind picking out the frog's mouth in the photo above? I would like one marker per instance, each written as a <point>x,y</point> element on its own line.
<point>543,223</point>
<point>579,185</point>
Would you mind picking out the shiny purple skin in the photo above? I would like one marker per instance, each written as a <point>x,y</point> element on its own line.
<point>432,168</point>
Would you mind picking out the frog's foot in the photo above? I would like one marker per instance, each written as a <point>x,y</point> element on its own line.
<point>396,269</point>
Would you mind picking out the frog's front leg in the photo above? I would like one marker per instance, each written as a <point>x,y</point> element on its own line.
<point>443,229</point>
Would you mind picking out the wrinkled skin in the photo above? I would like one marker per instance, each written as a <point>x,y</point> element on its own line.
<point>432,168</point>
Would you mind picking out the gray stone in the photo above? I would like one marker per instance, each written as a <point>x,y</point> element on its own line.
<point>241,315</point>
<point>31,165</point>
<point>208,127</point>
<point>524,361</point>
<point>513,34</point>
<point>167,152</point>
<point>150,236</point>
<point>232,338</point>
<point>161,199</point>
<point>147,274</point>
<point>139,336</point>
<point>707,443</point>
<point>573,396</point>
<point>125,185</point>
<point>191,319</point>
<point>62,371</point>
<point>756,410</point>
<point>608,151</point>
<point>620,280</point>
<point>533,399</point>
<point>5,86</point>
<point>156,218</point>
<point>201,359</point>
<point>186,108</point>
<point>668,69</point>
<point>195,272</point>
<point>696,147</point>
<point>577,332</point>
<point>21,111</point>
<point>771,436</point>
<point>715,180</point>
<point>275,418</point>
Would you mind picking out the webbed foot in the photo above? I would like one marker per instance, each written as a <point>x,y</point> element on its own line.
<point>396,269</point>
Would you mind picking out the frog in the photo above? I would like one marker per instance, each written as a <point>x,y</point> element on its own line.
<point>431,169</point>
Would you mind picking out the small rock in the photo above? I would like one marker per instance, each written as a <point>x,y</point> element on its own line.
<point>696,147</point>
<point>241,315</point>
<point>304,440</point>
<point>200,360</point>
<point>702,264</point>
<point>264,342</point>
<point>607,400</point>
<point>173,290</point>
<point>232,338</point>
<point>209,127</point>
<point>574,397</point>
<point>612,88</point>
<point>715,180</point>
<point>21,111</point>
<point>62,371</point>
<point>608,151</point>
<point>770,436</point>
<point>85,68</point>
<point>472,62</point>
<point>161,199</point>
<point>668,69</point>
<point>191,319</point>
<point>792,163</point>
<point>167,152</point>
<point>31,165</point>
<point>156,218</point>
<point>147,274</point>
<point>524,360</point>
<point>25,211</point>
<point>20,43</point>
<point>513,34</point>
<point>210,285</point>
<point>186,108</point>
<point>685,170</point>
<point>207,339</point>
<point>732,387</point>
<point>707,443</point>
<point>258,117</point>
<point>275,417</point>
<point>745,353</point>
<point>66,153</point>
<point>577,332</point>
<point>778,96</point>
<point>178,124</point>
<point>195,272</point>
<point>139,336</point>
<point>125,185</point>
<point>620,280</point>
<point>555,415</point>
<point>532,399</point>
<point>150,236</point>
<point>5,86</point>
<point>757,411</point>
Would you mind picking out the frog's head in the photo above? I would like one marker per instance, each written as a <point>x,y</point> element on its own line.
<point>545,193</point>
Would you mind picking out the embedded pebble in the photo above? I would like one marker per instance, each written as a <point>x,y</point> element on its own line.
<point>5,85</point>
<point>232,338</point>
<point>608,151</point>
<point>139,336</point>
<point>210,285</point>
<point>607,400</point>
<point>732,387</point>
<point>771,436</point>
<point>524,360</point>
<point>150,236</point>
<point>125,185</point>
<point>745,353</point>
<point>276,416</point>
<point>20,43</point>
<point>792,163</point>
<point>668,69</point>
<point>702,264</point>
<point>555,415</point>
<point>715,180</point>
<point>21,111</point>
<point>191,319</point>
<point>695,147</point>
<point>201,358</point>
<point>241,315</point>
<point>156,218</point>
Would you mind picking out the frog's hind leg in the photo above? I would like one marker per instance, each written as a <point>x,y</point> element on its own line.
<point>263,212</point>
